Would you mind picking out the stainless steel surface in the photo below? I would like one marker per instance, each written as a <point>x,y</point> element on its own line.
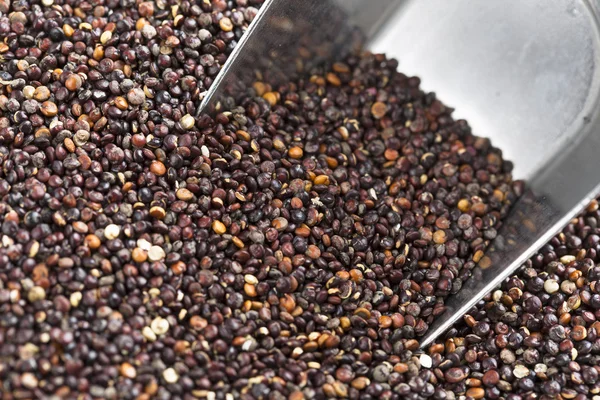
<point>523,73</point>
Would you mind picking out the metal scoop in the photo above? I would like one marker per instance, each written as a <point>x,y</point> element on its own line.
<point>524,74</point>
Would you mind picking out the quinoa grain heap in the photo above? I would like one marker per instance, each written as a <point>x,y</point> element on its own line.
<point>295,246</point>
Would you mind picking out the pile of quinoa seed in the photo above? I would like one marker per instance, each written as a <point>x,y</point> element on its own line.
<point>295,246</point>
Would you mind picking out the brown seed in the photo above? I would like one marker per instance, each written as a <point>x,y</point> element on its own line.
<point>329,390</point>
<point>333,79</point>
<point>225,24</point>
<point>121,103</point>
<point>321,180</point>
<point>295,152</point>
<point>92,241</point>
<point>238,242</point>
<point>49,109</point>
<point>439,237</point>
<point>280,223</point>
<point>146,8</point>
<point>68,30</point>
<point>178,268</point>
<point>250,290</point>
<point>296,203</point>
<point>288,302</point>
<point>391,155</point>
<point>270,97</point>
<point>356,275</point>
<point>313,252</point>
<point>260,88</point>
<point>490,378</point>
<point>378,110</point>
<point>70,146</point>
<point>302,231</point>
<point>128,371</point>
<point>98,53</point>
<point>464,205</point>
<point>296,395</point>
<point>41,93</point>
<point>198,323</point>
<point>478,256</point>
<point>385,321</point>
<point>243,135</point>
<point>184,194</point>
<point>578,333</point>
<point>485,262</point>
<point>158,212</point>
<point>476,393</point>
<point>39,272</point>
<point>219,227</point>
<point>340,389</point>
<point>479,208</point>
<point>158,168</point>
<point>73,82</point>
<point>360,383</point>
<point>138,255</point>
<point>455,375</point>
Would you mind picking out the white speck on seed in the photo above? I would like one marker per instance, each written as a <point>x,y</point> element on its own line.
<point>75,298</point>
<point>149,334</point>
<point>540,368</point>
<point>144,244</point>
<point>112,231</point>
<point>148,31</point>
<point>156,253</point>
<point>159,325</point>
<point>248,345</point>
<point>47,3</point>
<point>7,241</point>
<point>316,202</point>
<point>567,259</point>
<point>205,151</point>
<point>426,361</point>
<point>105,37</point>
<point>29,380</point>
<point>136,96</point>
<point>170,375</point>
<point>497,295</point>
<point>372,193</point>
<point>187,122</point>
<point>251,279</point>
<point>520,371</point>
<point>551,286</point>
<point>36,293</point>
<point>182,314</point>
<point>263,330</point>
<point>568,287</point>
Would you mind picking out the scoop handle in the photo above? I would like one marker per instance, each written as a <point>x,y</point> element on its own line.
<point>555,196</point>
<point>289,37</point>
